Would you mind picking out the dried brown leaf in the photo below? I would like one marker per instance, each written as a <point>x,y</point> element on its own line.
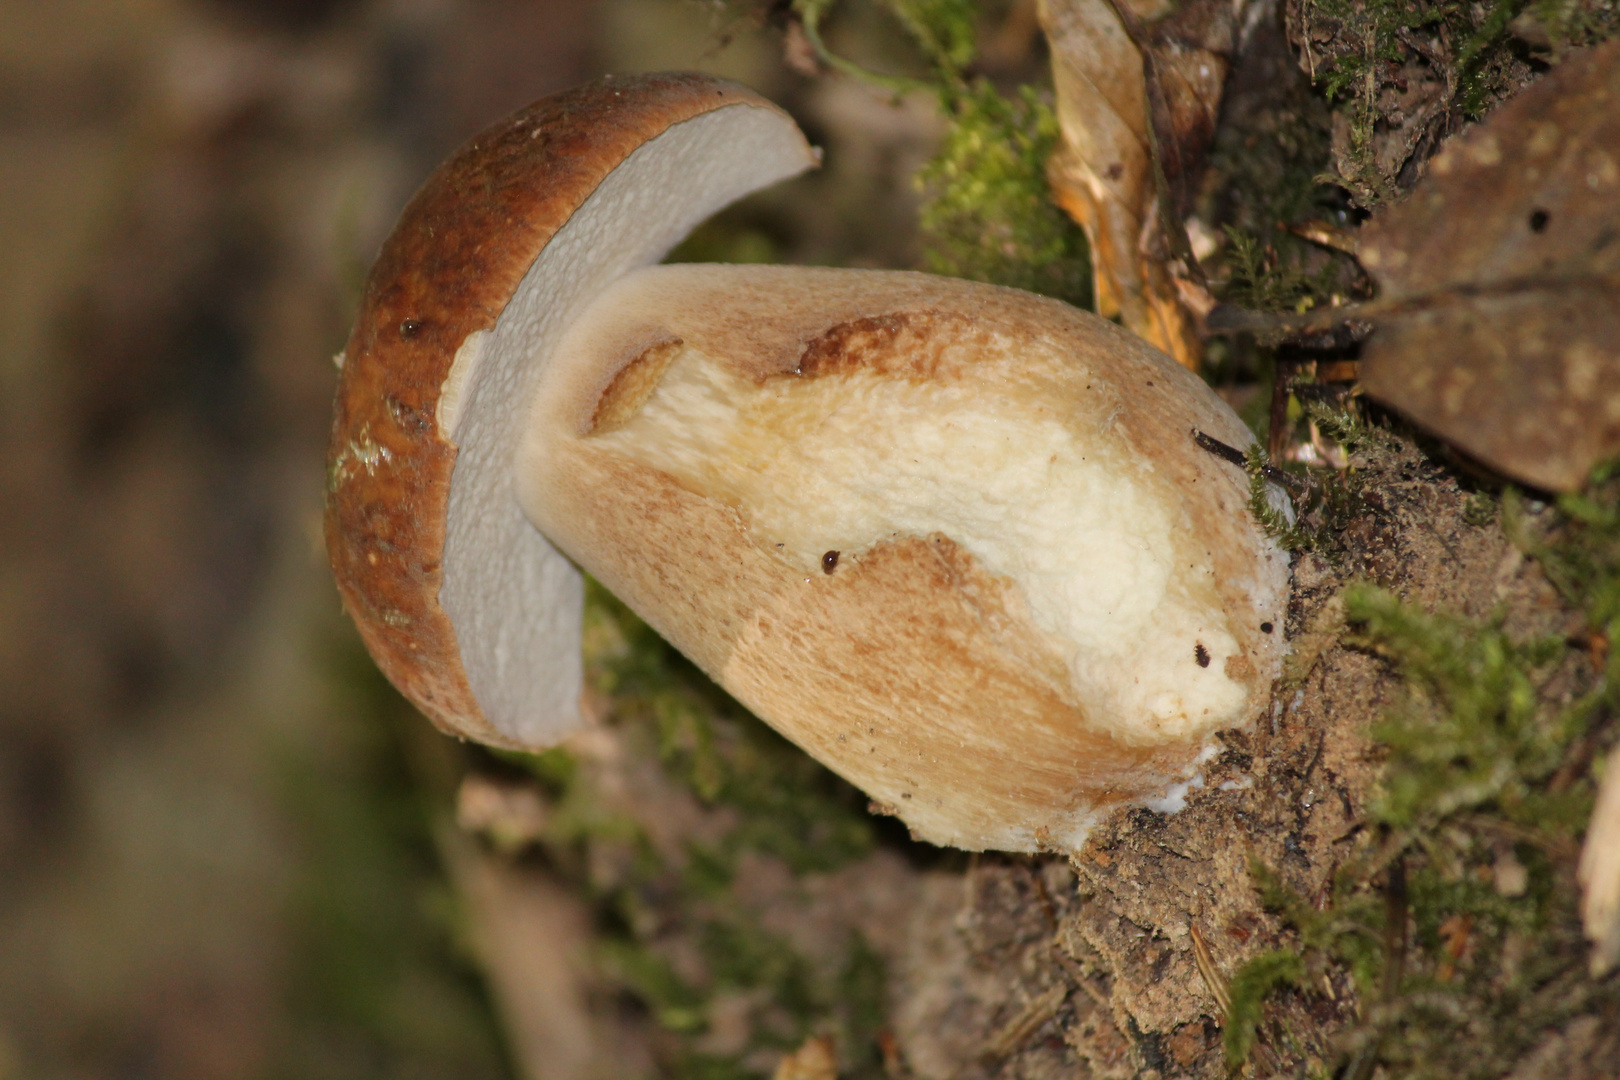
<point>1138,92</point>
<point>1527,381</point>
<point>1500,281</point>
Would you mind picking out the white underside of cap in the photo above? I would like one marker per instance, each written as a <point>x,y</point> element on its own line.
<point>514,600</point>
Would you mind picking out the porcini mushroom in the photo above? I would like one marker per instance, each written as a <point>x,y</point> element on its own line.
<point>956,541</point>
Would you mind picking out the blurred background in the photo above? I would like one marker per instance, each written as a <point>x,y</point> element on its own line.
<point>222,837</point>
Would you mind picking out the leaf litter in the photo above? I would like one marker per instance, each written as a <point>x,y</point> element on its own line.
<point>1498,323</point>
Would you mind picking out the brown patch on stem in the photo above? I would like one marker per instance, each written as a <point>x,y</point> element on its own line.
<point>633,385</point>
<point>914,345</point>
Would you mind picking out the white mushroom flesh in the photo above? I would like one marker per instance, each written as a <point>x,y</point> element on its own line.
<point>1039,489</point>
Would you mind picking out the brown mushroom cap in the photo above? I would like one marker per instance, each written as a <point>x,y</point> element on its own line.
<point>579,187</point>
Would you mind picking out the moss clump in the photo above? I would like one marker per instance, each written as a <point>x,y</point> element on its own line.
<point>1257,980</point>
<point>1581,555</point>
<point>787,806</point>
<point>1271,505</point>
<point>944,30</point>
<point>988,214</point>
<point>1258,277</point>
<point>1319,502</point>
<point>1477,730</point>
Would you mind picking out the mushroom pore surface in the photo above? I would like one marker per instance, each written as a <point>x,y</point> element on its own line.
<point>954,540</point>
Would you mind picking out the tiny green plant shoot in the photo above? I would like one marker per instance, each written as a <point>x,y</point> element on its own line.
<point>1314,502</point>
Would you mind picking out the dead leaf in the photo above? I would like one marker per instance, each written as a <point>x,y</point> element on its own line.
<point>1600,874</point>
<point>1138,92</point>
<point>817,1059</point>
<point>1499,278</point>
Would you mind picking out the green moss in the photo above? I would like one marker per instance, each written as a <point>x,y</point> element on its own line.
<point>1253,983</point>
<point>988,214</point>
<point>811,15</point>
<point>793,1000</point>
<point>1322,501</point>
<point>1348,428</point>
<point>1572,23</point>
<point>1360,52</point>
<point>1482,509</point>
<point>1476,730</point>
<point>1582,557</point>
<point>792,997</point>
<point>1271,506</point>
<point>742,956</point>
<point>1258,278</point>
<point>675,1004</point>
<point>788,806</point>
<point>943,29</point>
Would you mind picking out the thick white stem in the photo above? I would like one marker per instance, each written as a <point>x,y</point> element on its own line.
<point>1030,466</point>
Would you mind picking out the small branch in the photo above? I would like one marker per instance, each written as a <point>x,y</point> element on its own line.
<point>1232,319</point>
<point>898,85</point>
<point>1213,981</point>
<point>1236,457</point>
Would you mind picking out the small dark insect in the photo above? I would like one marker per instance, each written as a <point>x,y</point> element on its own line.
<point>409,327</point>
<point>1538,220</point>
<point>1201,654</point>
<point>1265,628</point>
<point>829,562</point>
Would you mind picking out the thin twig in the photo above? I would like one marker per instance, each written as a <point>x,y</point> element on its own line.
<point>1236,457</point>
<point>1211,974</point>
<point>898,85</point>
<point>1232,319</point>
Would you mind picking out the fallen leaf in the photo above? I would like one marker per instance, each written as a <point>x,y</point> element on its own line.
<point>1138,92</point>
<point>1600,874</point>
<point>817,1059</point>
<point>1499,320</point>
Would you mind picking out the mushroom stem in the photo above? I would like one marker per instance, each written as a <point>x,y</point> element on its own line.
<point>919,525</point>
